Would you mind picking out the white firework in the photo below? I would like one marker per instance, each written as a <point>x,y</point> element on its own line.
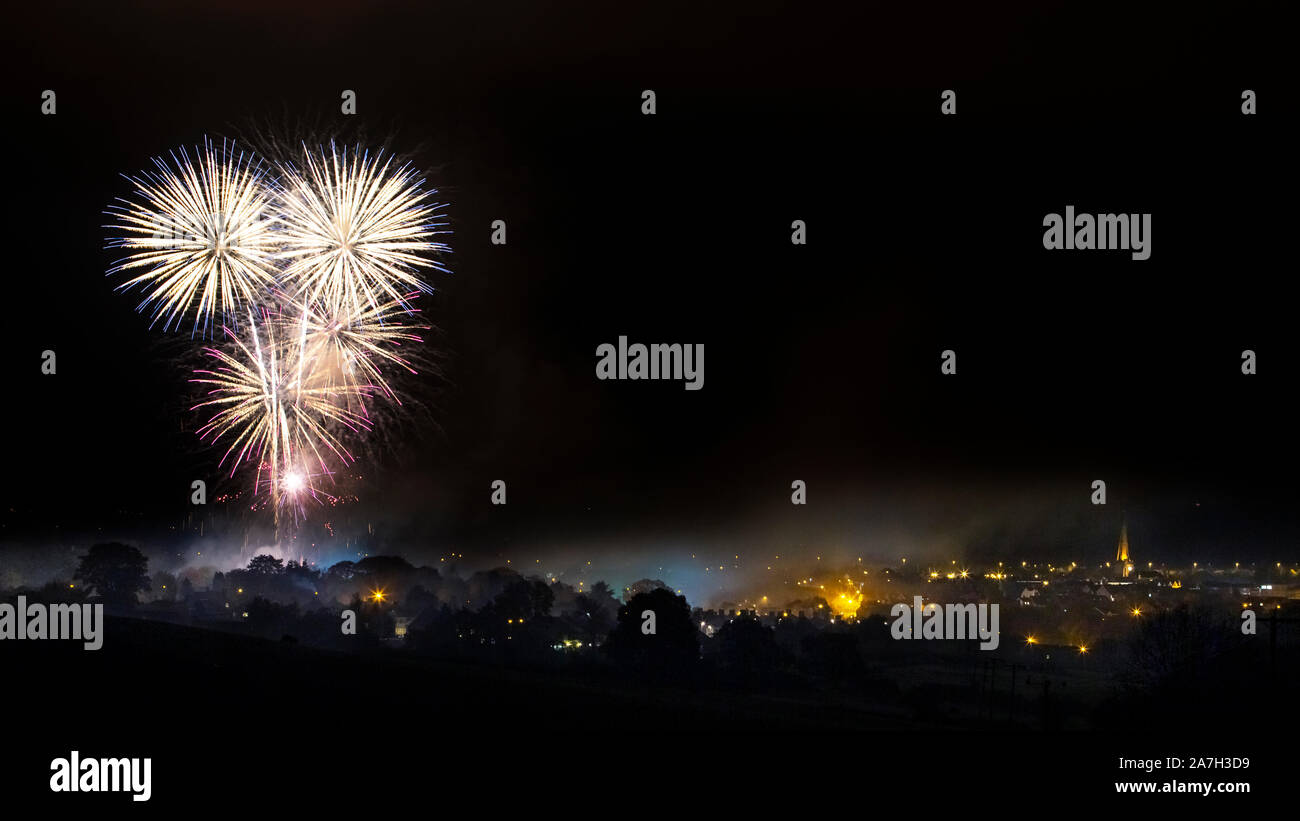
<point>200,235</point>
<point>356,233</point>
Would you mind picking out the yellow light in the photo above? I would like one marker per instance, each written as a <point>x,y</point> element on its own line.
<point>377,595</point>
<point>1137,611</point>
<point>1083,648</point>
<point>1031,640</point>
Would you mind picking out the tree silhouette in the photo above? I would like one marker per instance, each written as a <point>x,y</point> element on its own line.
<point>383,566</point>
<point>301,572</point>
<point>672,651</point>
<point>748,650</point>
<point>342,571</point>
<point>61,592</point>
<point>1175,650</point>
<point>642,586</point>
<point>595,613</point>
<point>603,595</point>
<point>525,599</point>
<point>163,585</point>
<point>116,572</point>
<point>265,565</point>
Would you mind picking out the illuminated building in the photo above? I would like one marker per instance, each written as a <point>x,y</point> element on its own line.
<point>1121,554</point>
<point>402,625</point>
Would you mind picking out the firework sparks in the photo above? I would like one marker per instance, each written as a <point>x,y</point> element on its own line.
<point>201,232</point>
<point>323,264</point>
<point>356,233</point>
<point>260,401</point>
<point>348,345</point>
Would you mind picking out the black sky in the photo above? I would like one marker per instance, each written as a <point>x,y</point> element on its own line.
<point>822,360</point>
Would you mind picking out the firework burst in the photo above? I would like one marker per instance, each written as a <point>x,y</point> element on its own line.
<point>313,272</point>
<point>269,414</point>
<point>200,235</point>
<point>343,344</point>
<point>356,232</point>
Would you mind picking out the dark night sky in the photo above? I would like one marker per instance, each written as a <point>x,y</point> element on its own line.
<point>821,361</point>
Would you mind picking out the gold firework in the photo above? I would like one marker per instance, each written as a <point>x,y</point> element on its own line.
<point>345,345</point>
<point>272,414</point>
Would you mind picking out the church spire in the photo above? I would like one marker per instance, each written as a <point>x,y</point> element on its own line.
<point>1121,554</point>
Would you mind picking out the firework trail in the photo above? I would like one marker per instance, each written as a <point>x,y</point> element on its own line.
<point>200,229</point>
<point>270,415</point>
